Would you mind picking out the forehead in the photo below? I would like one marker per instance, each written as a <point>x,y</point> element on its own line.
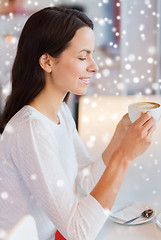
<point>84,38</point>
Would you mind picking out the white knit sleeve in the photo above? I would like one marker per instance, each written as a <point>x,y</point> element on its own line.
<point>37,159</point>
<point>89,170</point>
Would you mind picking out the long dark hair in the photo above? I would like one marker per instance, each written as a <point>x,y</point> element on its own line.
<point>46,31</point>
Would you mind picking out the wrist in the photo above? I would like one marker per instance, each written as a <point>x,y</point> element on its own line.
<point>122,156</point>
<point>106,155</point>
<point>110,149</point>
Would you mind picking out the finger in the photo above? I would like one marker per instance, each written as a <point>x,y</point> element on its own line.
<point>126,115</point>
<point>151,130</point>
<point>148,124</point>
<point>126,119</point>
<point>143,119</point>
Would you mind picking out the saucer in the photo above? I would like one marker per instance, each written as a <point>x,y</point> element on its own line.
<point>130,211</point>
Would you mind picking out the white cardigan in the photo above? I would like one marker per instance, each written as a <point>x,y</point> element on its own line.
<point>39,163</point>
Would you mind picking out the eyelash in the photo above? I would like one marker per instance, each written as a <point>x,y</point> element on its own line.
<point>82,59</point>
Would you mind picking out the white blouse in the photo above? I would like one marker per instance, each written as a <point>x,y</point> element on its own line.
<point>39,164</point>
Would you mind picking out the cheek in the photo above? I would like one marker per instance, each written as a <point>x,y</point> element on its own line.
<point>74,68</point>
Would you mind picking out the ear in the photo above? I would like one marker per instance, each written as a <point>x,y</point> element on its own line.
<point>45,62</point>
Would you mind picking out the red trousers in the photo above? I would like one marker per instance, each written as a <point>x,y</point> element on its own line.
<point>58,236</point>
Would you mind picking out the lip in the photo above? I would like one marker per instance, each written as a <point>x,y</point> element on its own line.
<point>85,80</point>
<point>84,77</point>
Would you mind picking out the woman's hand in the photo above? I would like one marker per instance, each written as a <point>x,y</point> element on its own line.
<point>121,129</point>
<point>129,141</point>
<point>128,137</point>
<point>138,137</point>
<point>117,138</point>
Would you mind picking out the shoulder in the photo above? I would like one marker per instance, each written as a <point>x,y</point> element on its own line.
<point>25,119</point>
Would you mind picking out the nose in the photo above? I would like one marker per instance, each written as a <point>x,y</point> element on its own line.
<point>92,67</point>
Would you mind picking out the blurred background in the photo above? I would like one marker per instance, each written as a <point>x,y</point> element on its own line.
<point>127,44</point>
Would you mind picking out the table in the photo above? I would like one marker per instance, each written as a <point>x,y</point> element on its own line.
<point>114,231</point>
<point>146,231</point>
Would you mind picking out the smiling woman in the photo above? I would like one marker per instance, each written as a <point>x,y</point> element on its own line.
<point>41,153</point>
<point>77,65</point>
<point>70,72</point>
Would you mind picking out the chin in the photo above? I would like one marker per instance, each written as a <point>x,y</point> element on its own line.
<point>82,91</point>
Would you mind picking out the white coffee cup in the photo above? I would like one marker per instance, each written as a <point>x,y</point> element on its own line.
<point>135,110</point>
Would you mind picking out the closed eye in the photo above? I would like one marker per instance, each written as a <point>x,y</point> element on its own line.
<point>82,59</point>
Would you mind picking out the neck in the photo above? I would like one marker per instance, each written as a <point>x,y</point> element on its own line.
<point>48,102</point>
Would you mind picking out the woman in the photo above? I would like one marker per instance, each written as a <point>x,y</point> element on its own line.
<point>41,152</point>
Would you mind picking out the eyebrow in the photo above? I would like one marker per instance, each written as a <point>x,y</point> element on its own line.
<point>86,50</point>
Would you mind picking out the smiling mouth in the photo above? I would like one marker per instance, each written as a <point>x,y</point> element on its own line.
<point>85,80</point>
